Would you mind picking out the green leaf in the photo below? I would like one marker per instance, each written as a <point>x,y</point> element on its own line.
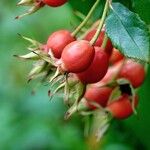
<point>128,32</point>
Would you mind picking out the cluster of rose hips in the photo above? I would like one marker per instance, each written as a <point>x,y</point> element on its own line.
<point>92,75</point>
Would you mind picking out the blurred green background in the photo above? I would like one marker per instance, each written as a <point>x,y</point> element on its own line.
<point>29,121</point>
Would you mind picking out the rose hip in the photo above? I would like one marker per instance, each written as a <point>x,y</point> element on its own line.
<point>54,3</point>
<point>122,107</point>
<point>58,40</point>
<point>98,68</point>
<point>77,56</point>
<point>99,95</point>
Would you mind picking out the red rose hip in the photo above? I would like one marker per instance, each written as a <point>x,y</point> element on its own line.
<point>58,40</point>
<point>97,69</point>
<point>77,56</point>
<point>54,3</point>
<point>112,73</point>
<point>99,95</point>
<point>122,108</point>
<point>116,56</point>
<point>134,72</point>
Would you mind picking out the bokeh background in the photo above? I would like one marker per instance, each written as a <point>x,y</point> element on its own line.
<point>29,121</point>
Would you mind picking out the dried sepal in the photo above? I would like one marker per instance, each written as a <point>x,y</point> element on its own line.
<point>56,75</point>
<point>34,7</point>
<point>34,44</point>
<point>38,68</point>
<point>44,56</point>
<point>29,56</point>
<point>78,93</point>
<point>25,3</point>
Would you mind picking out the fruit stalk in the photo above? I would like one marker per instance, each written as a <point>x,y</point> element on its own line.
<point>94,39</point>
<point>86,19</point>
<point>104,41</point>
